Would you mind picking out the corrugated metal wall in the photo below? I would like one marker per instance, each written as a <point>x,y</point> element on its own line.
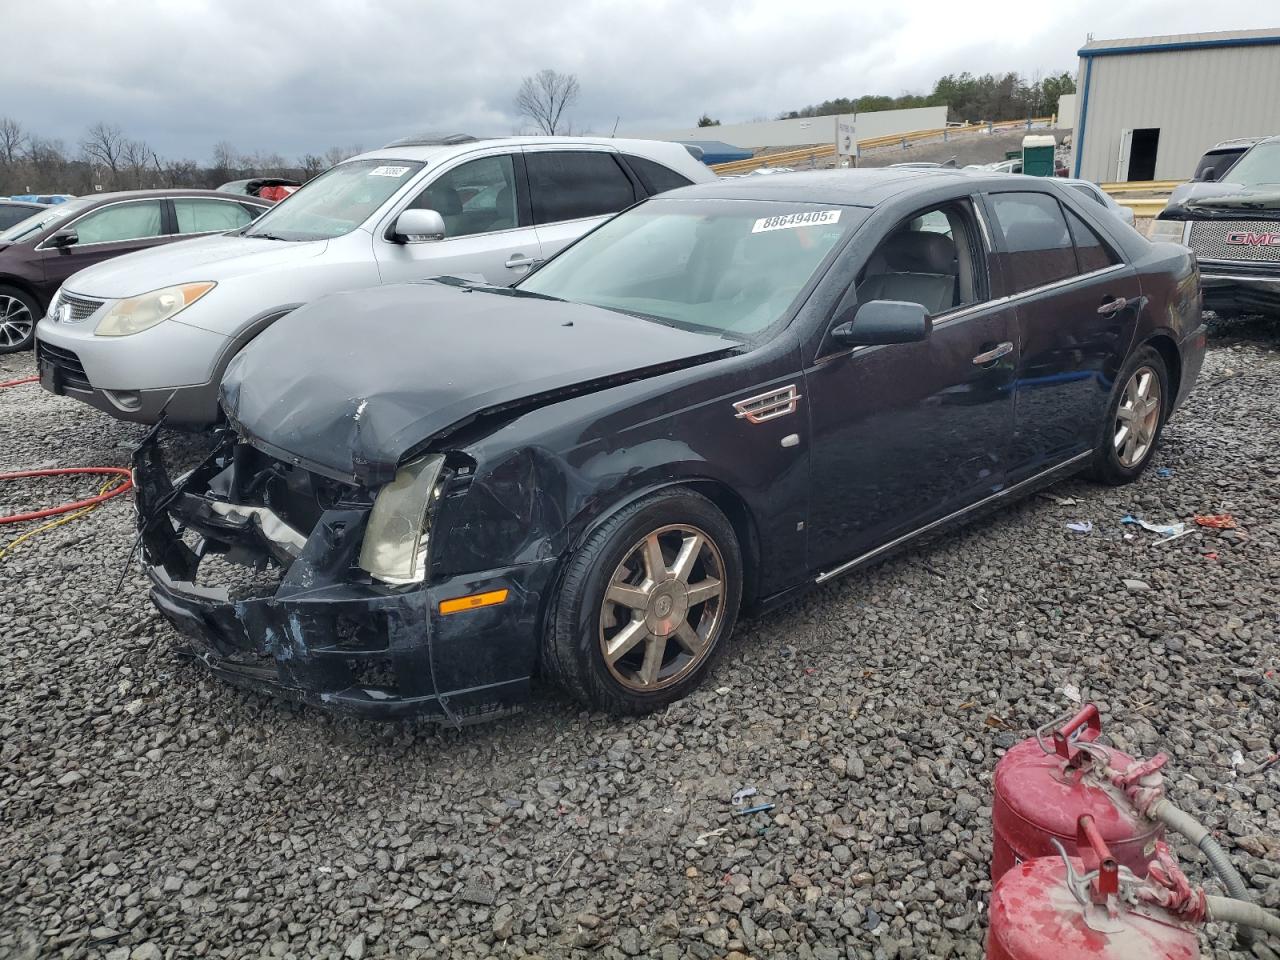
<point>1195,97</point>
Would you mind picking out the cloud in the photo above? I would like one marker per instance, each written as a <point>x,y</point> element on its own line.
<point>299,77</point>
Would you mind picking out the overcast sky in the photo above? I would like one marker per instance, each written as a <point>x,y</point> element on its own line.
<point>300,77</point>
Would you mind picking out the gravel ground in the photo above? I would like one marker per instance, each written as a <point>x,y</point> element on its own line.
<point>147,811</point>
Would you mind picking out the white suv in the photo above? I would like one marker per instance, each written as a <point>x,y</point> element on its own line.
<point>155,330</point>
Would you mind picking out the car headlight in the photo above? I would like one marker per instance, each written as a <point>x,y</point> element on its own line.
<point>395,539</point>
<point>1167,231</point>
<point>135,314</point>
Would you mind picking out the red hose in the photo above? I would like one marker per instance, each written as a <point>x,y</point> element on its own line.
<point>115,491</point>
<point>16,383</point>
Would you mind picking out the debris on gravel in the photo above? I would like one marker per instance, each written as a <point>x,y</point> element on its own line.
<point>150,812</point>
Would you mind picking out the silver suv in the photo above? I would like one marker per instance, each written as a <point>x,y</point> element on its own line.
<point>155,330</point>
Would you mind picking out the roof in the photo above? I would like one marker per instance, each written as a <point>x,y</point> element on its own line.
<point>1181,41</point>
<point>866,187</point>
<point>426,152</point>
<point>172,192</point>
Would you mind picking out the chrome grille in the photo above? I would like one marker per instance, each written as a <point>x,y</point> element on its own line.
<point>1236,240</point>
<point>77,308</point>
<point>767,406</point>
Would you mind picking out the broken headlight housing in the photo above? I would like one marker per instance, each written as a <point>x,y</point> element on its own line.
<point>395,540</point>
<point>135,314</point>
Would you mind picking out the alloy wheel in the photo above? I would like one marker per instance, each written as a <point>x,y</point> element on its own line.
<point>663,609</point>
<point>1138,417</point>
<point>16,321</point>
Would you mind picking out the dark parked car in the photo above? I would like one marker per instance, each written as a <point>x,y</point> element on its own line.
<point>11,211</point>
<point>40,252</point>
<point>716,400</point>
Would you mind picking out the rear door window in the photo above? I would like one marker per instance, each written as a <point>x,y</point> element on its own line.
<point>1037,244</point>
<point>1091,252</point>
<point>570,185</point>
<point>137,220</point>
<point>655,177</point>
<point>209,216</point>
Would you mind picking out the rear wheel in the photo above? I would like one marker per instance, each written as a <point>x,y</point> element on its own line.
<point>645,604</point>
<point>18,316</point>
<point>1135,418</point>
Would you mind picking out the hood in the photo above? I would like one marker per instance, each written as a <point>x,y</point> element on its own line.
<point>349,384</point>
<point>220,257</point>
<point>1224,201</point>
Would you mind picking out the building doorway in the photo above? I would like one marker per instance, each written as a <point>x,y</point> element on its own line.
<point>1142,154</point>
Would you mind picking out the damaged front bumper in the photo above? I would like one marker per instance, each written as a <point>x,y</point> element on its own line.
<point>325,633</point>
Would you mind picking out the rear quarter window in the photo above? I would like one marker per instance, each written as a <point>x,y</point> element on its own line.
<point>655,177</point>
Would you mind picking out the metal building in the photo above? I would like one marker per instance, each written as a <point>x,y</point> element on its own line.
<point>1149,107</point>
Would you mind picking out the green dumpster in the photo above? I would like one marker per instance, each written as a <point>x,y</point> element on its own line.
<point>1037,155</point>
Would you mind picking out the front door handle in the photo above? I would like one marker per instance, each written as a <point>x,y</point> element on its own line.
<point>517,261</point>
<point>994,354</point>
<point>1113,306</point>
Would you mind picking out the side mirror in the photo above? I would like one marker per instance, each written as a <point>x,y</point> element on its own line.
<point>1209,175</point>
<point>64,238</point>
<point>882,321</point>
<point>418,226</point>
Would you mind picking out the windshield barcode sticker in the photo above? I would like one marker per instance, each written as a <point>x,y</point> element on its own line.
<point>388,171</point>
<point>788,220</point>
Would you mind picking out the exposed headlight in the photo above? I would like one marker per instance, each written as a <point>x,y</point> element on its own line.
<point>395,540</point>
<point>143,312</point>
<point>1168,231</point>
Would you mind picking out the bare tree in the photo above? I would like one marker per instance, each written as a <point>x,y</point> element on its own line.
<point>12,140</point>
<point>310,165</point>
<point>544,97</point>
<point>224,161</point>
<point>103,146</point>
<point>335,155</point>
<point>135,163</point>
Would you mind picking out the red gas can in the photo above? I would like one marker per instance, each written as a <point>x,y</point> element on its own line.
<point>1041,791</point>
<point>1056,908</point>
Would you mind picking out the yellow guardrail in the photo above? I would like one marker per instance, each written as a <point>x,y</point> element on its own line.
<point>1142,186</point>
<point>1143,206</point>
<point>823,150</point>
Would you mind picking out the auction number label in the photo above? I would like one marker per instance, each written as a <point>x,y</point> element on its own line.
<point>388,171</point>
<point>788,220</point>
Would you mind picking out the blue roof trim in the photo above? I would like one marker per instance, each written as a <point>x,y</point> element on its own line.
<point>1181,45</point>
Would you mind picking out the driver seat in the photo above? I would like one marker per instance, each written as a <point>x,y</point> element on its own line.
<point>919,267</point>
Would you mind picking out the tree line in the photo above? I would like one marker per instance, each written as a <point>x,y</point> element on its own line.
<point>991,96</point>
<point>107,159</point>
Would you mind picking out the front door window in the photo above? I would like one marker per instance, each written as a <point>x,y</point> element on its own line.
<point>119,222</point>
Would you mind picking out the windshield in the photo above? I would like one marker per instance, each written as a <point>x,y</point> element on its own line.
<point>1259,167</point>
<point>726,266</point>
<point>336,202</point>
<point>35,224</point>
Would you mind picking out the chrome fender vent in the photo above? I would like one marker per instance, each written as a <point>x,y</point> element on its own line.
<point>768,406</point>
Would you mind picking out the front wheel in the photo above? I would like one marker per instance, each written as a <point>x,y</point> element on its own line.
<point>645,604</point>
<point>18,315</point>
<point>1135,417</point>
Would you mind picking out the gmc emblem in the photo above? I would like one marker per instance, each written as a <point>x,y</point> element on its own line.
<point>1250,239</point>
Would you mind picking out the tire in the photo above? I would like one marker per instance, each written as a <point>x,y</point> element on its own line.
<point>1121,458</point>
<point>19,314</point>
<point>659,623</point>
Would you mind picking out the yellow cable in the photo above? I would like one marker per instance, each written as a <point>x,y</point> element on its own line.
<point>9,547</point>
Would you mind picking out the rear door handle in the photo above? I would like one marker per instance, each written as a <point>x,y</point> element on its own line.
<point>994,354</point>
<point>1113,306</point>
<point>517,260</point>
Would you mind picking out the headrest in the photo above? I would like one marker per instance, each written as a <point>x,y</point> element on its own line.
<point>444,200</point>
<point>919,251</point>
